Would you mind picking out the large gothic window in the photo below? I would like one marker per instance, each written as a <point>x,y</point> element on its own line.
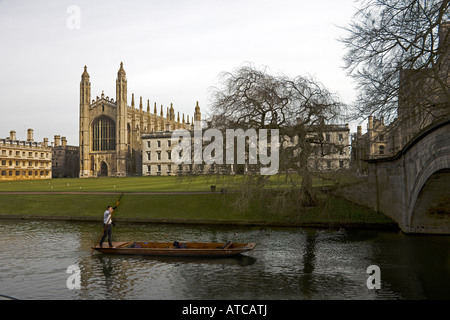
<point>103,134</point>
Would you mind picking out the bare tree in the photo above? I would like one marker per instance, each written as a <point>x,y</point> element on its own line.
<point>397,52</point>
<point>299,107</point>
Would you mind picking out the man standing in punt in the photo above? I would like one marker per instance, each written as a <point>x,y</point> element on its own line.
<point>107,225</point>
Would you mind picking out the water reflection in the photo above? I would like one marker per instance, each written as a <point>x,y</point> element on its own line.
<point>287,263</point>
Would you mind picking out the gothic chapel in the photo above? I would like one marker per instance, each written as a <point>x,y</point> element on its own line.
<point>110,131</point>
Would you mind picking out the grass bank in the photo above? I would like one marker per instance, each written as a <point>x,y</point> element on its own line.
<point>167,199</point>
<point>201,183</point>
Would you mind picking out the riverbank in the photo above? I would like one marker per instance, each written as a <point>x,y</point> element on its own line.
<point>197,200</point>
<point>185,208</point>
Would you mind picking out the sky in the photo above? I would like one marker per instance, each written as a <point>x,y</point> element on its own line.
<point>173,51</point>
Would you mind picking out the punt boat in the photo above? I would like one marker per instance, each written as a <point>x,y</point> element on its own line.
<point>176,249</point>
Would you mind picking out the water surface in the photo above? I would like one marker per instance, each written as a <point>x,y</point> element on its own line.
<point>287,263</point>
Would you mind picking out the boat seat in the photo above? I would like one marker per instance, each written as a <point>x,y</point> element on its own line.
<point>227,245</point>
<point>129,245</point>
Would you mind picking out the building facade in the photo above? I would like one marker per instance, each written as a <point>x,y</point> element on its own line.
<point>25,159</point>
<point>111,130</point>
<point>331,155</point>
<point>65,159</point>
<point>334,153</point>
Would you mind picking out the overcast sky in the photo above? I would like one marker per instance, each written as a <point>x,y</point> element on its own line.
<point>172,51</point>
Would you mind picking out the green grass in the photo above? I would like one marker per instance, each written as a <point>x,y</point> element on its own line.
<point>207,207</point>
<point>131,184</point>
<point>172,206</point>
<point>145,184</point>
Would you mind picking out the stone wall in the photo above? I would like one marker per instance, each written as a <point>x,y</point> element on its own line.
<point>407,186</point>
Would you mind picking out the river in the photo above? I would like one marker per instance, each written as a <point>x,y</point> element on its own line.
<point>287,263</point>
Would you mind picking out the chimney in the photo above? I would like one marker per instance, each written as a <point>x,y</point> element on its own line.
<point>64,141</point>
<point>370,124</point>
<point>45,142</point>
<point>12,135</point>
<point>57,140</point>
<point>30,135</point>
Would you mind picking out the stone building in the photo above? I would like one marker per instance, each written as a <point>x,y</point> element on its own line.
<point>333,154</point>
<point>25,159</point>
<point>157,159</point>
<point>111,130</point>
<point>423,99</point>
<point>65,159</point>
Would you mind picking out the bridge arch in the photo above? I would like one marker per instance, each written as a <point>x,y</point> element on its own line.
<point>426,167</point>
<point>430,201</point>
<point>412,187</point>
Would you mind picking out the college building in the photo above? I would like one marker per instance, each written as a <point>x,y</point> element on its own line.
<point>111,129</point>
<point>65,159</point>
<point>25,159</point>
<point>332,154</point>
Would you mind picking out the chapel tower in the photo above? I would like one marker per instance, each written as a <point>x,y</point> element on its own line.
<point>111,130</point>
<point>121,122</point>
<point>85,98</point>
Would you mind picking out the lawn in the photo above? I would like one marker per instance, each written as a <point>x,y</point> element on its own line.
<point>146,184</point>
<point>171,199</point>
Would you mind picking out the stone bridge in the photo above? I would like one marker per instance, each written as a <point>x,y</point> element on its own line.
<point>412,187</point>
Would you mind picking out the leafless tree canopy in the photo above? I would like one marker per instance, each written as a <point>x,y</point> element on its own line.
<point>253,98</point>
<point>391,42</point>
<point>299,107</point>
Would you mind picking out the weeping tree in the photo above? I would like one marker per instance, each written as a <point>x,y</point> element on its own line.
<point>300,108</point>
<point>397,53</point>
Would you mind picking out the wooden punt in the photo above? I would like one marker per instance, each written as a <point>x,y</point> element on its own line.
<point>184,249</point>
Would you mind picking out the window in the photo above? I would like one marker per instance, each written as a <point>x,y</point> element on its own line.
<point>159,155</point>
<point>341,164</point>
<point>381,149</point>
<point>159,168</point>
<point>149,156</point>
<point>159,144</point>
<point>169,143</point>
<point>149,144</point>
<point>327,137</point>
<point>103,134</point>
<point>149,168</point>
<point>169,155</point>
<point>341,137</point>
